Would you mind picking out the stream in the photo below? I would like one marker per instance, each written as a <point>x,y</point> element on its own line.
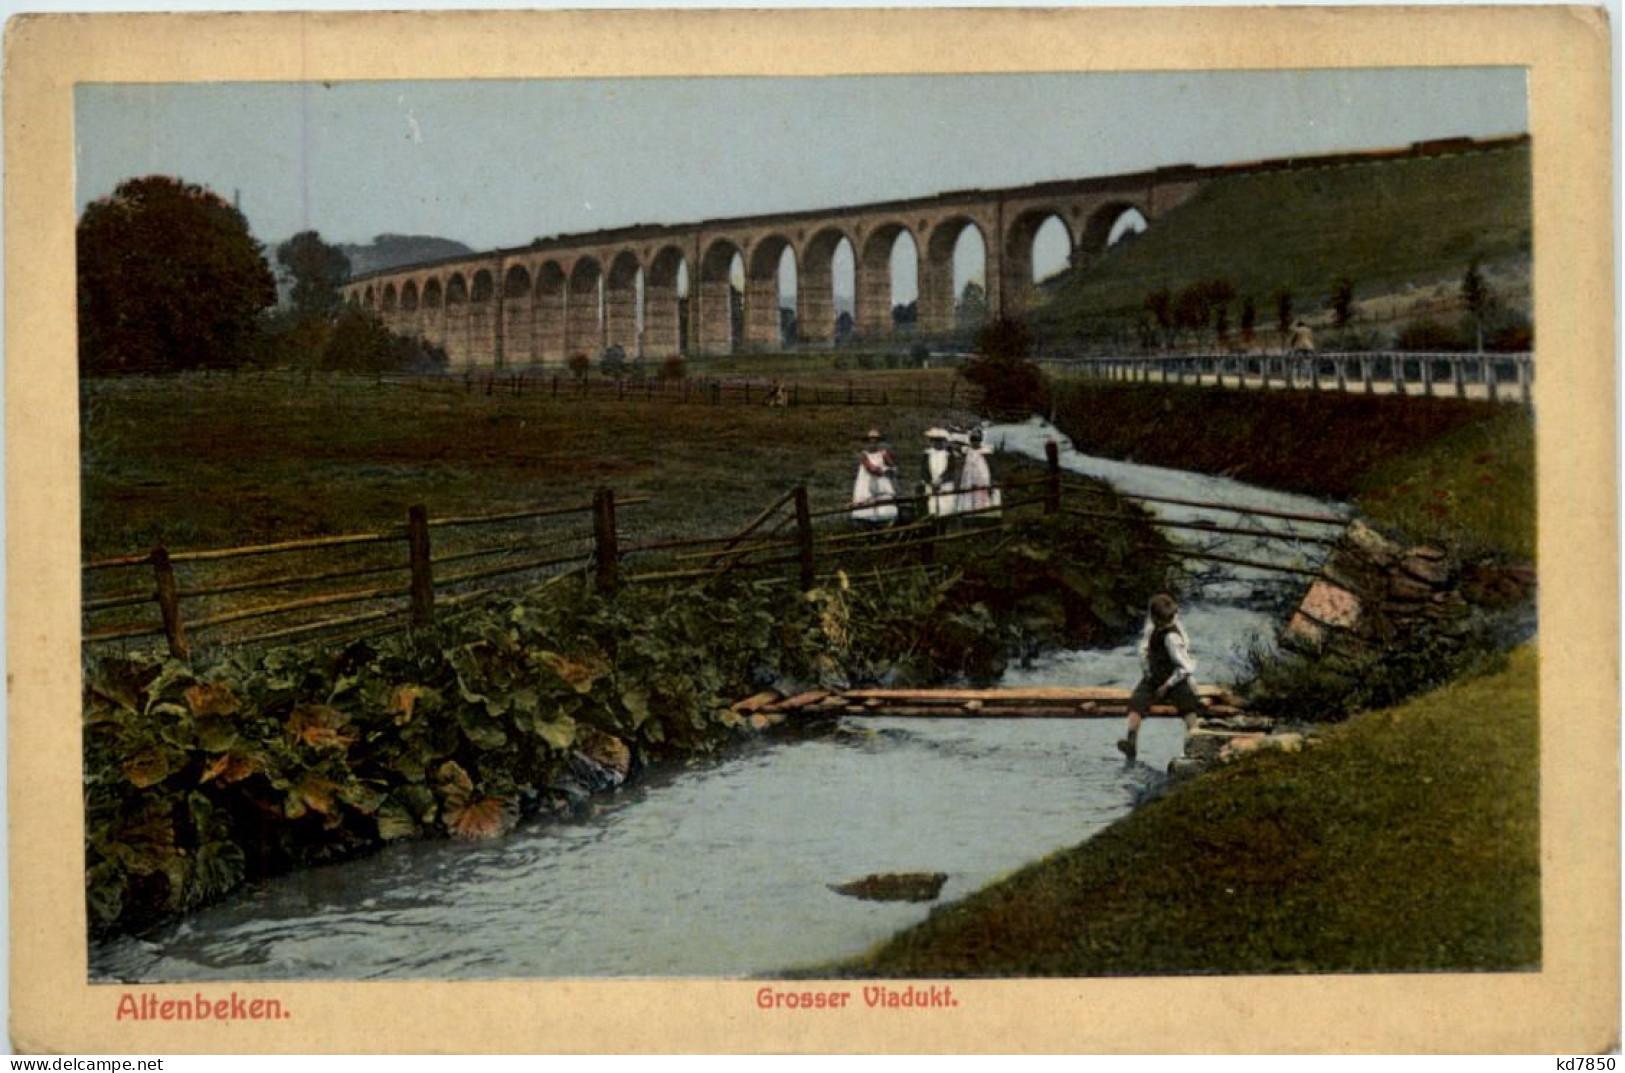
<point>723,868</point>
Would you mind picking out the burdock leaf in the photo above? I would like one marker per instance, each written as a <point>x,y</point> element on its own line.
<point>482,817</point>
<point>579,673</point>
<point>148,767</point>
<point>211,698</point>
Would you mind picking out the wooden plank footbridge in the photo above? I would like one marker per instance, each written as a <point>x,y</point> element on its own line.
<point>1100,702</point>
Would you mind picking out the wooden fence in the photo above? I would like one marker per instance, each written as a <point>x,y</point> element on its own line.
<point>787,538</point>
<point>1473,375</point>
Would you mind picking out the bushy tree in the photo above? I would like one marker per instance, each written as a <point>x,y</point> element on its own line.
<point>970,311</point>
<point>1476,295</point>
<point>1002,369</point>
<point>1283,310</point>
<point>1342,302</point>
<point>318,271</point>
<point>358,342</point>
<point>169,278</point>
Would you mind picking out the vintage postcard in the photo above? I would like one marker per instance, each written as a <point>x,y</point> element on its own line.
<point>812,531</point>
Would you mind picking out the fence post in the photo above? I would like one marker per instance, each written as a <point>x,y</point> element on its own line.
<point>804,537</point>
<point>169,604</point>
<point>1052,487</point>
<point>1525,374</point>
<point>1458,373</point>
<point>1396,373</point>
<point>605,549</point>
<point>417,542</point>
<point>1365,374</point>
<point>1342,374</point>
<point>1490,378</point>
<point>1427,376</point>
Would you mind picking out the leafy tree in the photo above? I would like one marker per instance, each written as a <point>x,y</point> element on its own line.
<point>788,333</point>
<point>1475,293</point>
<point>358,342</point>
<point>844,327</point>
<point>1249,318</point>
<point>1160,304</point>
<point>317,271</point>
<point>1342,302</point>
<point>970,312</point>
<point>169,278</point>
<point>904,317</point>
<point>1283,310</point>
<point>1002,369</point>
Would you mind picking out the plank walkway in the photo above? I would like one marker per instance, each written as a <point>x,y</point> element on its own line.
<point>1047,703</point>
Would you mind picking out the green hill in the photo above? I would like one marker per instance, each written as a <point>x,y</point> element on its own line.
<point>1387,224</point>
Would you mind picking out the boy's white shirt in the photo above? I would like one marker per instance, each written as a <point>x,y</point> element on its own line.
<point>1178,650</point>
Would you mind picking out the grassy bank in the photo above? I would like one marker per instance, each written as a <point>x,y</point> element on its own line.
<point>1444,470</point>
<point>1407,841</point>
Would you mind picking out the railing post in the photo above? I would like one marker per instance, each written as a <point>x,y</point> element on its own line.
<point>1490,378</point>
<point>1052,487</point>
<point>1365,374</point>
<point>1314,371</point>
<point>1342,363</point>
<point>1427,376</point>
<point>169,604</point>
<point>606,550</point>
<point>417,543</point>
<point>1458,374</point>
<point>804,537</point>
<point>1396,373</point>
<point>1525,375</point>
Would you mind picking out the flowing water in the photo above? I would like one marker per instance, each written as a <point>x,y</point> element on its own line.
<point>723,868</point>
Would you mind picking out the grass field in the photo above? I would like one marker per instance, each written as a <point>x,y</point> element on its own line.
<point>1408,840</point>
<point>208,462</point>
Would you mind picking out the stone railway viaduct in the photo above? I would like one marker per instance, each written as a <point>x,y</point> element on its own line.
<point>569,294</point>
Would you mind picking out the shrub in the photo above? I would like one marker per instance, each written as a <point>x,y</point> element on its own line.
<point>578,365</point>
<point>357,342</point>
<point>613,363</point>
<point>1002,369</point>
<point>673,367</point>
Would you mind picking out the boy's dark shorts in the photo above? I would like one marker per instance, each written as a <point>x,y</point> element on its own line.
<point>1182,696</point>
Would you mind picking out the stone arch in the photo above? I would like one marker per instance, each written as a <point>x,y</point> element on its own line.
<point>518,334</point>
<point>584,332</point>
<point>432,319</point>
<point>665,308</point>
<point>391,299</point>
<point>367,300</point>
<point>409,296</point>
<point>621,313</point>
<point>1097,231</point>
<point>548,304</point>
<point>874,279</point>
<point>456,290</point>
<point>762,298</point>
<point>815,284</point>
<point>939,289</point>
<point>483,287</point>
<point>716,334</point>
<point>1017,254</point>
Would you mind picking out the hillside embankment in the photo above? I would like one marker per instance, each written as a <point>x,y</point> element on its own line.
<point>1390,226</point>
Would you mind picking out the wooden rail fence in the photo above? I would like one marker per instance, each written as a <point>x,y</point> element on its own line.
<point>786,533</point>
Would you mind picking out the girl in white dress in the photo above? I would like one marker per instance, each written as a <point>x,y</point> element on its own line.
<point>874,494</point>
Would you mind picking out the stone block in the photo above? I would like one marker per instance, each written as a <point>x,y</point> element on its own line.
<point>1405,589</point>
<point>1423,568</point>
<point>1301,631</point>
<point>1331,606</point>
<point>1371,544</point>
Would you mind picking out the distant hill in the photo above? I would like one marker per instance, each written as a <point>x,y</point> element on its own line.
<point>392,251</point>
<point>1391,226</point>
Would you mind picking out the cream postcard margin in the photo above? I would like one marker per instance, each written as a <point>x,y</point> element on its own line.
<point>1570,1006</point>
